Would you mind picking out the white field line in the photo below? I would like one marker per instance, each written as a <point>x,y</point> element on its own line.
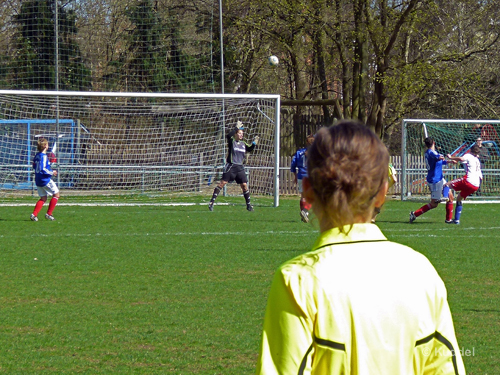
<point>97,204</point>
<point>448,227</point>
<point>449,232</point>
<point>165,234</point>
<point>393,233</point>
<point>138,204</point>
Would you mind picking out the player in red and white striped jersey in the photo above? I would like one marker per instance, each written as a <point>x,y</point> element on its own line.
<point>468,184</point>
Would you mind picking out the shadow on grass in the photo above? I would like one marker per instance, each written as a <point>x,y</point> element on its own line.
<point>483,310</point>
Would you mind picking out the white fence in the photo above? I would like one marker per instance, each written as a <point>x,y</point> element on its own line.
<point>416,173</point>
<point>288,187</point>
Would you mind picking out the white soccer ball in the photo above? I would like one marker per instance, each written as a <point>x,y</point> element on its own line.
<point>273,60</point>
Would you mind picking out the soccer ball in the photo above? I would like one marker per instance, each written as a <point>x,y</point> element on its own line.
<point>273,60</point>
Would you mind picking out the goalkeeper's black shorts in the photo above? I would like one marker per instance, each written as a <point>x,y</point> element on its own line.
<point>234,172</point>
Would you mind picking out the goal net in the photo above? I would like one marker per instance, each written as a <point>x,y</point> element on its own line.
<point>132,143</point>
<point>454,137</point>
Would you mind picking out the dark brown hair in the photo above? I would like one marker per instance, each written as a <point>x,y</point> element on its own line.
<point>347,165</point>
<point>429,141</point>
<point>475,150</point>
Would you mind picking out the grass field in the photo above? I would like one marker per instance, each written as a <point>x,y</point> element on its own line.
<point>181,290</point>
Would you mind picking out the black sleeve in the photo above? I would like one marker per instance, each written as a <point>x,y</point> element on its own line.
<point>231,133</point>
<point>250,147</point>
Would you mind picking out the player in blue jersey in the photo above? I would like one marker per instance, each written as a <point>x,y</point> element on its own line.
<point>299,168</point>
<point>436,182</point>
<point>234,169</point>
<point>43,180</point>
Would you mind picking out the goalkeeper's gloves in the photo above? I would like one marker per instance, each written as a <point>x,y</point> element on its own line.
<point>239,125</point>
<point>256,140</point>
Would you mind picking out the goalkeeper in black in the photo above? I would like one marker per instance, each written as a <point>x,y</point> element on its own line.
<point>234,169</point>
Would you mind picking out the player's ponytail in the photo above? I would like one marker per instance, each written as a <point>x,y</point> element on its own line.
<point>347,166</point>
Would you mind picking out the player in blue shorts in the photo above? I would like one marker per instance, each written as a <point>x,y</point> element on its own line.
<point>234,170</point>
<point>299,169</point>
<point>436,182</point>
<point>43,180</point>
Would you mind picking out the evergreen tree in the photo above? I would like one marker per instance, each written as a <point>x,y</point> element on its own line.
<point>34,63</point>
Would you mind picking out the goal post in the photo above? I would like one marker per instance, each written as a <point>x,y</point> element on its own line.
<point>116,143</point>
<point>454,137</point>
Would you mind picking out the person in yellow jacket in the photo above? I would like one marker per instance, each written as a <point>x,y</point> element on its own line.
<point>392,179</point>
<point>357,303</point>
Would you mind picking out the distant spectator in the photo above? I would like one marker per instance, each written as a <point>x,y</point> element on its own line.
<point>392,179</point>
<point>484,154</point>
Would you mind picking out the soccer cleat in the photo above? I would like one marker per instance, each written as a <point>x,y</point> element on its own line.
<point>33,218</point>
<point>49,217</point>
<point>457,222</point>
<point>249,207</point>
<point>412,217</point>
<point>304,216</point>
<point>211,206</point>
<point>448,221</point>
<point>444,200</point>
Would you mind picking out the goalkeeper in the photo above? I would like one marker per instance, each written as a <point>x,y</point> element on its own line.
<point>357,303</point>
<point>234,169</point>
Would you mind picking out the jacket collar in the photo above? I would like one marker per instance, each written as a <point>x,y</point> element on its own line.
<point>358,233</point>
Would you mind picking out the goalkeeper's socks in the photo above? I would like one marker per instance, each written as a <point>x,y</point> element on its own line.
<point>52,204</point>
<point>38,207</point>
<point>458,211</point>
<point>215,194</point>
<point>449,211</point>
<point>246,194</point>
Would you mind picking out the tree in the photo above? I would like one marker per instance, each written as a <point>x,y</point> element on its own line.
<point>34,63</point>
<point>375,61</point>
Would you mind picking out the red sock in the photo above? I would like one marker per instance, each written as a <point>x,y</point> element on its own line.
<point>302,203</point>
<point>449,211</point>
<point>422,210</point>
<point>307,205</point>
<point>52,204</point>
<point>38,207</point>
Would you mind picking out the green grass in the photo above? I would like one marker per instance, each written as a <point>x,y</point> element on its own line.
<point>181,290</point>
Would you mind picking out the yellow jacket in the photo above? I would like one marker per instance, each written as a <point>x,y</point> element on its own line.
<point>358,304</point>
